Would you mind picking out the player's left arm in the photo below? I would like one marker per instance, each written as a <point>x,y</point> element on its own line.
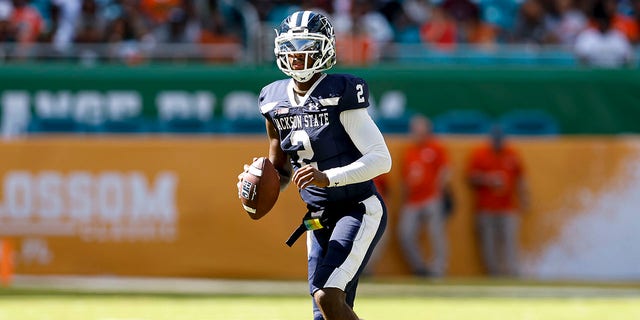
<point>366,136</point>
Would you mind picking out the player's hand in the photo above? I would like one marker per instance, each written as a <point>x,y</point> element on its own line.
<point>241,177</point>
<point>309,175</point>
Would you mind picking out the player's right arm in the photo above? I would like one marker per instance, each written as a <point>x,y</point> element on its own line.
<point>278,157</point>
<point>475,176</point>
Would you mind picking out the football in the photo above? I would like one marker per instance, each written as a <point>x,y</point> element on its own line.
<point>260,188</point>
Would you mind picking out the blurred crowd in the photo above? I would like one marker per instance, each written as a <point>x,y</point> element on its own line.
<point>366,30</point>
<point>376,27</point>
<point>117,29</point>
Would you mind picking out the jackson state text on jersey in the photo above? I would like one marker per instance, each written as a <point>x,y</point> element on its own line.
<point>311,132</point>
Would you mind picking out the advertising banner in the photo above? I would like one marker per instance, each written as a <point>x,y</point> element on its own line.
<point>152,94</point>
<point>162,206</point>
<point>165,207</point>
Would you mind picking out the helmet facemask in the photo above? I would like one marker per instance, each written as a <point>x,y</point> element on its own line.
<point>315,46</point>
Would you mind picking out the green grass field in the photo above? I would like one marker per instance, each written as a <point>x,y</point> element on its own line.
<point>442,301</point>
<point>74,307</point>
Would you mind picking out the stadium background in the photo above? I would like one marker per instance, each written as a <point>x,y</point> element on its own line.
<point>126,165</point>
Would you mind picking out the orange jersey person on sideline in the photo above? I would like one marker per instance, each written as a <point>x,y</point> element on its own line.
<point>496,175</point>
<point>425,173</point>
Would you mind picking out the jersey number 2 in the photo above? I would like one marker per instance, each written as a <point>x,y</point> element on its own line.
<point>360,92</point>
<point>300,137</point>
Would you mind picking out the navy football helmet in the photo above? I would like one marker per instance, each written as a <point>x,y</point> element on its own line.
<point>309,33</point>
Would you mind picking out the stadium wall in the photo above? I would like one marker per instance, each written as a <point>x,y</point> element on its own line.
<point>167,206</point>
<point>584,101</point>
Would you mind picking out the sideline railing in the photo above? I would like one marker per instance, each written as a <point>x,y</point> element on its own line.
<point>132,52</point>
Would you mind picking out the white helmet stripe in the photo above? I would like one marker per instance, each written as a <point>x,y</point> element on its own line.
<point>305,18</point>
<point>294,18</point>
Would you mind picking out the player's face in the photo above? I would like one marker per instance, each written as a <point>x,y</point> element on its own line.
<point>297,61</point>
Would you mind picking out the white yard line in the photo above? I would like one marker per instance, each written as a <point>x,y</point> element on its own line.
<point>106,284</point>
<point>440,288</point>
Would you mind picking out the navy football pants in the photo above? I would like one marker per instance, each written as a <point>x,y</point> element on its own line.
<point>338,255</point>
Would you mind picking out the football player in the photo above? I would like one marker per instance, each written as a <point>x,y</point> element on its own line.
<point>322,138</point>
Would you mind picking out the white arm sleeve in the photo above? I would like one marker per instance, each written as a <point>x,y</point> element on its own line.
<point>366,136</point>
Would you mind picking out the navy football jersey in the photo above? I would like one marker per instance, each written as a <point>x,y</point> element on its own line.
<point>311,132</point>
